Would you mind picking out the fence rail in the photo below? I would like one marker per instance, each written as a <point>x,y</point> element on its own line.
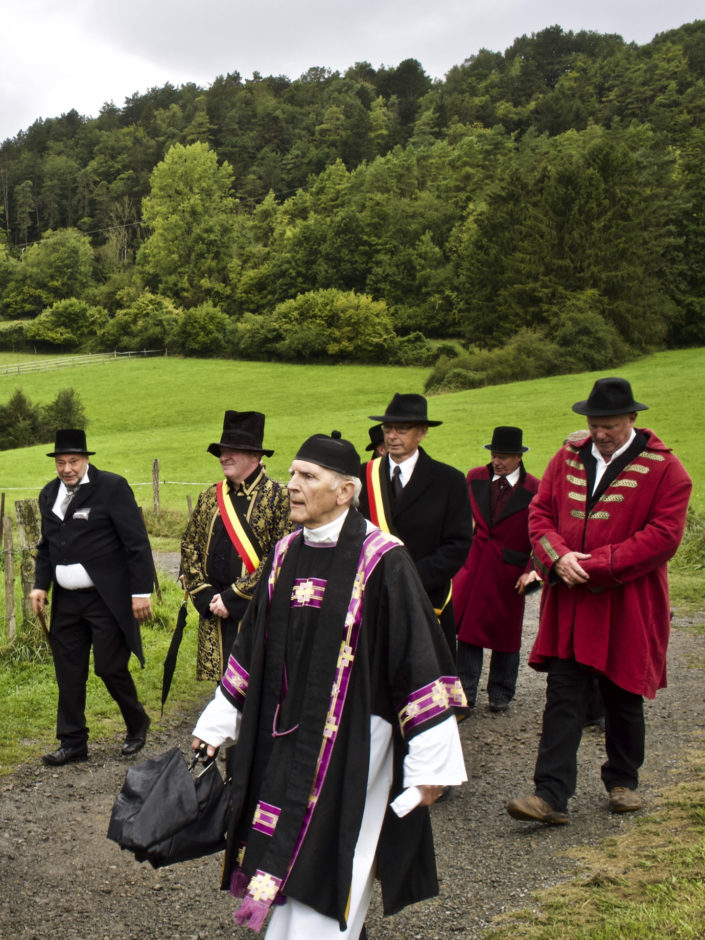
<point>68,362</point>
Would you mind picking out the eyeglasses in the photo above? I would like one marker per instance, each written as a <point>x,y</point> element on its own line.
<point>399,428</point>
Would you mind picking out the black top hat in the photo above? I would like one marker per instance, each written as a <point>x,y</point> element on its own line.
<point>406,409</point>
<point>242,430</point>
<point>332,452</point>
<point>611,396</point>
<point>70,441</point>
<point>506,440</point>
<point>376,437</point>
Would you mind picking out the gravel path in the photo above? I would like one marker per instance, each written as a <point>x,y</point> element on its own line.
<point>60,876</point>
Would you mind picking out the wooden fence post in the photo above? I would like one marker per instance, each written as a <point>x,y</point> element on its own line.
<point>10,621</point>
<point>155,485</point>
<point>188,503</point>
<point>28,533</point>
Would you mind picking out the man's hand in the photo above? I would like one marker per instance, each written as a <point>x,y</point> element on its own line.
<point>210,750</point>
<point>568,568</point>
<point>38,600</point>
<point>524,580</point>
<point>429,795</point>
<point>141,608</point>
<point>218,607</point>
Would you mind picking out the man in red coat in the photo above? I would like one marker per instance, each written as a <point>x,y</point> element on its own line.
<point>488,591</point>
<point>609,514</point>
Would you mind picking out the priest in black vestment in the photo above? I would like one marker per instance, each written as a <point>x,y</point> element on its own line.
<point>341,694</point>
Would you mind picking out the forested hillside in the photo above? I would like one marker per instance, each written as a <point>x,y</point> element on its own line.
<point>545,205</point>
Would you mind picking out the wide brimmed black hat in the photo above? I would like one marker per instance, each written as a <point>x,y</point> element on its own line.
<point>332,452</point>
<point>242,430</point>
<point>612,396</point>
<point>376,437</point>
<point>506,440</point>
<point>406,409</point>
<point>70,441</point>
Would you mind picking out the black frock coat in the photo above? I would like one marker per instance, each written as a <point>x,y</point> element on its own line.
<point>103,530</point>
<point>434,521</point>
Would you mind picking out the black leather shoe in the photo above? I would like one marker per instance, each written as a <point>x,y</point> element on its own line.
<point>135,742</point>
<point>66,755</point>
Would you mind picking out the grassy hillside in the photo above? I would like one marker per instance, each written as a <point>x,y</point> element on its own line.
<point>171,409</point>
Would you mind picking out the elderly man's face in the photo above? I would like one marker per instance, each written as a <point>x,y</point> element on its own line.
<point>71,468</point>
<point>402,440</point>
<point>610,433</point>
<point>238,464</point>
<point>504,464</point>
<point>316,495</point>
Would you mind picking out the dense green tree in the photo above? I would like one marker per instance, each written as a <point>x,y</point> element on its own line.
<point>148,321</point>
<point>67,323</point>
<point>191,216</point>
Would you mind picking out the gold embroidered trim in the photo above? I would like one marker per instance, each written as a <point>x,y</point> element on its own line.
<point>629,483</point>
<point>575,464</point>
<point>637,468</point>
<point>577,481</point>
<point>579,496</point>
<point>612,498</point>
<point>548,548</point>
<point>649,455</point>
<point>599,515</point>
<point>577,513</point>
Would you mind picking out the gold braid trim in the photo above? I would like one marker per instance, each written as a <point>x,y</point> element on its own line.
<point>628,483</point>
<point>577,481</point>
<point>649,455</point>
<point>612,498</point>
<point>637,468</point>
<point>575,464</point>
<point>548,548</point>
<point>579,496</point>
<point>577,513</point>
<point>599,515</point>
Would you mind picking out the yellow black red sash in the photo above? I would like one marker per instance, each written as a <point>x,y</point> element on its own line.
<point>378,497</point>
<point>238,530</point>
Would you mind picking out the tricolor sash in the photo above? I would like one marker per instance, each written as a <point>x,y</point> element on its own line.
<point>378,497</point>
<point>238,529</point>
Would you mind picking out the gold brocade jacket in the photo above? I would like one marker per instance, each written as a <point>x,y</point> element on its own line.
<point>268,516</point>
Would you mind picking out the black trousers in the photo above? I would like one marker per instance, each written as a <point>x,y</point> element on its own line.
<point>502,680</point>
<point>568,692</point>
<point>80,619</point>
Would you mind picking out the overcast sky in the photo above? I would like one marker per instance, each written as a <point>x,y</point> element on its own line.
<point>56,55</point>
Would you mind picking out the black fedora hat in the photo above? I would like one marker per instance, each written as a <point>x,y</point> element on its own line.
<point>70,441</point>
<point>333,453</point>
<point>610,396</point>
<point>406,409</point>
<point>242,430</point>
<point>376,437</point>
<point>506,440</point>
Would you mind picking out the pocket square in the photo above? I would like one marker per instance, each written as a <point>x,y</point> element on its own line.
<point>82,513</point>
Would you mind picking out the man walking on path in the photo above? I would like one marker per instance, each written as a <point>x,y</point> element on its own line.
<point>422,501</point>
<point>232,529</point>
<point>609,514</point>
<point>95,552</point>
<point>340,692</point>
<point>488,591</point>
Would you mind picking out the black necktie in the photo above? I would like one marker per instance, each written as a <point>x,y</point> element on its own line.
<point>396,483</point>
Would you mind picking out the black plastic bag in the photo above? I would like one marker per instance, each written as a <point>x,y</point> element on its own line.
<point>167,814</point>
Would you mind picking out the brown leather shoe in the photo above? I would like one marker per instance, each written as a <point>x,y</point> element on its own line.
<point>624,800</point>
<point>534,809</point>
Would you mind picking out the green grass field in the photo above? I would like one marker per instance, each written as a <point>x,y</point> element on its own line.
<point>171,409</point>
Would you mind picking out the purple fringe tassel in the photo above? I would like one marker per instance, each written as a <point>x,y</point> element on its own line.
<point>252,914</point>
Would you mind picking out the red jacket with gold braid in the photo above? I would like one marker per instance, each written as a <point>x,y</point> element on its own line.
<point>618,622</point>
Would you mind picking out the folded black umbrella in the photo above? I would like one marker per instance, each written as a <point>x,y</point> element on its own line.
<point>173,651</point>
<point>167,813</point>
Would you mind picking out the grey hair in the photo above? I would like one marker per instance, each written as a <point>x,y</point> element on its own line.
<point>356,482</point>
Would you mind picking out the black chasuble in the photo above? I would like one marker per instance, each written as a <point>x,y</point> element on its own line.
<point>334,635</point>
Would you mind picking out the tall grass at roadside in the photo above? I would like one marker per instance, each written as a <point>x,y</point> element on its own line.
<point>28,688</point>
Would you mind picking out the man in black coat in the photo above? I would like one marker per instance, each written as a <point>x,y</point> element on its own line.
<point>422,501</point>
<point>94,552</point>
